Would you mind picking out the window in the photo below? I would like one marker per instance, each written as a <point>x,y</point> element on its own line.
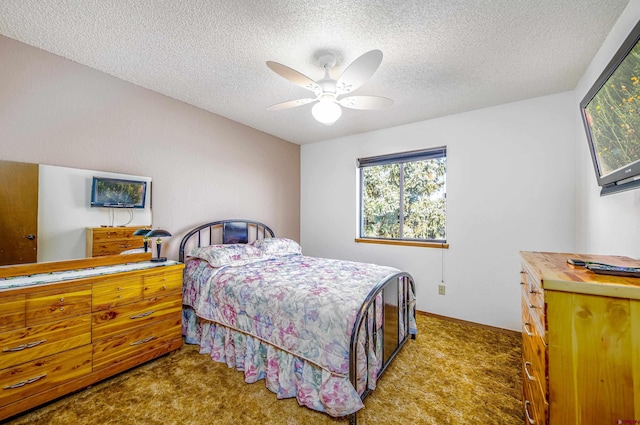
<point>411,182</point>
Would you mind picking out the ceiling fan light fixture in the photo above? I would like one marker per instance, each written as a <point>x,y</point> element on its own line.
<point>327,91</point>
<point>326,111</point>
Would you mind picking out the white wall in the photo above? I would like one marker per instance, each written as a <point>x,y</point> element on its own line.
<point>510,187</point>
<point>609,224</point>
<point>64,211</point>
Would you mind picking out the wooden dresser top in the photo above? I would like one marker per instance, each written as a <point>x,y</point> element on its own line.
<point>556,274</point>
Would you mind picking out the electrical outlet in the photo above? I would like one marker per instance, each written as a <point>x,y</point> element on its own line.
<point>441,289</point>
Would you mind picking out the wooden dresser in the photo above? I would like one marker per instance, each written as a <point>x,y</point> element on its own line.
<point>60,336</point>
<point>580,341</point>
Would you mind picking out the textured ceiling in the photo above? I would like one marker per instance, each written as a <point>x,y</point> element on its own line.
<point>440,57</point>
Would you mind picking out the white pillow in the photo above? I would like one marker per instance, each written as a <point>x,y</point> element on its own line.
<point>228,255</point>
<point>276,247</point>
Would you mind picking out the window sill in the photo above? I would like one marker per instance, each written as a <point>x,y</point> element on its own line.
<point>404,243</point>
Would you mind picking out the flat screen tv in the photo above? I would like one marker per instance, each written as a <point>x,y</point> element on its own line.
<point>117,193</point>
<point>611,116</point>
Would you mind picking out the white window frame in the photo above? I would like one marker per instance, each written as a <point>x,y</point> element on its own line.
<point>398,158</point>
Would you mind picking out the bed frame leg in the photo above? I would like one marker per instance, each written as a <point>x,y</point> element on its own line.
<point>353,419</point>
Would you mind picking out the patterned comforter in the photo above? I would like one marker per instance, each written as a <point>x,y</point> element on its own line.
<point>303,306</point>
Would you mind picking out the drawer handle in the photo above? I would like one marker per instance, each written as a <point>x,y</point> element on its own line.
<point>526,371</point>
<point>62,299</point>
<point>527,325</point>
<point>141,315</point>
<point>533,291</point>
<point>527,403</point>
<point>143,341</point>
<point>24,346</point>
<point>533,306</point>
<point>23,383</point>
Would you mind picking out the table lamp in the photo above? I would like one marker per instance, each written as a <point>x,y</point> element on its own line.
<point>145,233</point>
<point>158,234</point>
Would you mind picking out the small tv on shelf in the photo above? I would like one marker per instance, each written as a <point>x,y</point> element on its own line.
<point>117,193</point>
<point>611,117</point>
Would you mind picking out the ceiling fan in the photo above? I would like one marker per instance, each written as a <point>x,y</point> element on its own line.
<point>327,90</point>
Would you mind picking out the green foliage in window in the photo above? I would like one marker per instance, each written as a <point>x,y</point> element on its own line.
<point>424,200</point>
<point>381,201</point>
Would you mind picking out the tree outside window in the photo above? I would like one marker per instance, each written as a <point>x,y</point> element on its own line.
<point>411,182</point>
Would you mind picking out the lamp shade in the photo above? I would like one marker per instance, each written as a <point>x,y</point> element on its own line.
<point>158,233</point>
<point>326,111</point>
<point>141,232</point>
<point>145,233</point>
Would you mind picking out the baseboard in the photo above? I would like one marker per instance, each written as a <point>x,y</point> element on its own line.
<point>464,322</point>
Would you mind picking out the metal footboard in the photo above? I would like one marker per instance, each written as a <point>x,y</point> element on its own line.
<point>395,290</point>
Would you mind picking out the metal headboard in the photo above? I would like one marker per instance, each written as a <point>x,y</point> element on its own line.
<point>224,231</point>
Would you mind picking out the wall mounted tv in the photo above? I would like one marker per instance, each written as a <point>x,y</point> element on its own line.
<point>117,193</point>
<point>611,116</point>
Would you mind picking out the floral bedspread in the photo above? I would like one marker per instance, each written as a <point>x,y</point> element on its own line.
<point>303,306</point>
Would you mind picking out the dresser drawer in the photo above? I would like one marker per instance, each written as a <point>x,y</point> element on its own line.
<point>534,294</point>
<point>108,233</point>
<point>533,301</point>
<point>534,360</point>
<point>161,283</point>
<point>30,378</point>
<point>114,246</point>
<point>536,409</point>
<point>121,319</point>
<point>12,312</point>
<point>110,293</point>
<point>30,343</point>
<point>57,305</point>
<point>110,351</point>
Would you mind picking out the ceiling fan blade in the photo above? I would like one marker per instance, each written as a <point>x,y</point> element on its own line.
<point>359,71</point>
<point>294,76</point>
<point>289,104</point>
<point>365,102</point>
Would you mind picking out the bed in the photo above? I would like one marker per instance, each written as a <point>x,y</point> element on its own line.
<point>320,330</point>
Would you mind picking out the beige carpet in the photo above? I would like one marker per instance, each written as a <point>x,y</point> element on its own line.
<point>451,374</point>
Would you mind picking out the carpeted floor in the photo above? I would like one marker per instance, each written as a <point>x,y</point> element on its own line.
<point>451,374</point>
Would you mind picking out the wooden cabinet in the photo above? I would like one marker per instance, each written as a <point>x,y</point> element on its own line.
<point>61,336</point>
<point>112,240</point>
<point>580,341</point>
